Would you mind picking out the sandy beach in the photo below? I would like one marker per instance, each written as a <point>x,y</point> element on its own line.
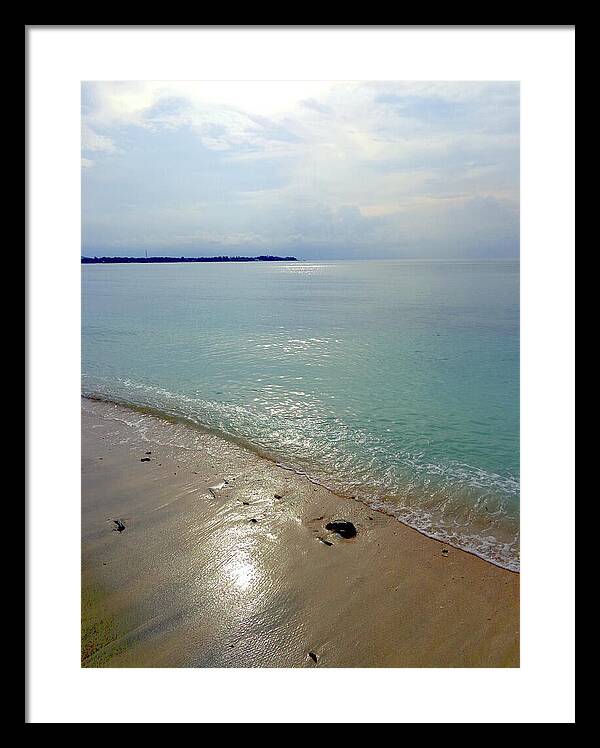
<point>225,562</point>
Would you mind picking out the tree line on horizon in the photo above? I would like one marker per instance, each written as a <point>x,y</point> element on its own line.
<point>220,258</point>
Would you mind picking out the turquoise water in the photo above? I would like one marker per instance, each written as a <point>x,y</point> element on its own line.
<point>393,381</point>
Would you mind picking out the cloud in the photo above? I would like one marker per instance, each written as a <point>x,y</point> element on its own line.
<point>377,169</point>
<point>92,141</point>
<point>316,106</point>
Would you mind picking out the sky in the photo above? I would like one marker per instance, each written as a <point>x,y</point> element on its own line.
<point>318,170</point>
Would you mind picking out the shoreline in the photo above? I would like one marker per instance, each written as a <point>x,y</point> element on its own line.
<point>246,444</point>
<point>225,562</point>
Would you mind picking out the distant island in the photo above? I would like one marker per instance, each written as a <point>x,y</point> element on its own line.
<point>221,258</point>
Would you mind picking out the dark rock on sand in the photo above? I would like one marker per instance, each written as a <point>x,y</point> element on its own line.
<point>253,520</point>
<point>325,542</point>
<point>313,656</point>
<point>119,526</point>
<point>145,459</point>
<point>342,527</point>
<point>277,496</point>
<point>148,453</point>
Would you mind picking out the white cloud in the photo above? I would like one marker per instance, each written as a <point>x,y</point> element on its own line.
<point>92,141</point>
<point>356,163</point>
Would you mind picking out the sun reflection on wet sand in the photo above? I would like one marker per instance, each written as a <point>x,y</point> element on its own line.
<point>241,572</point>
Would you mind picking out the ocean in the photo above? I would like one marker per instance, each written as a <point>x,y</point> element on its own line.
<point>394,382</point>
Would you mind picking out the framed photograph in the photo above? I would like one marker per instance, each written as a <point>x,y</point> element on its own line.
<point>289,324</point>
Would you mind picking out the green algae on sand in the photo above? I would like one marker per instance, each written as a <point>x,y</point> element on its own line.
<point>100,636</point>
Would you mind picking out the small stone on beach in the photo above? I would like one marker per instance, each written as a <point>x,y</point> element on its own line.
<point>342,527</point>
<point>277,496</point>
<point>253,520</point>
<point>145,459</point>
<point>313,656</point>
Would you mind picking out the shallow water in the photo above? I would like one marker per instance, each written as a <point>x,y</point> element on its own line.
<point>393,381</point>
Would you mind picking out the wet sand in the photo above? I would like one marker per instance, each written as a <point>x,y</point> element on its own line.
<point>222,564</point>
